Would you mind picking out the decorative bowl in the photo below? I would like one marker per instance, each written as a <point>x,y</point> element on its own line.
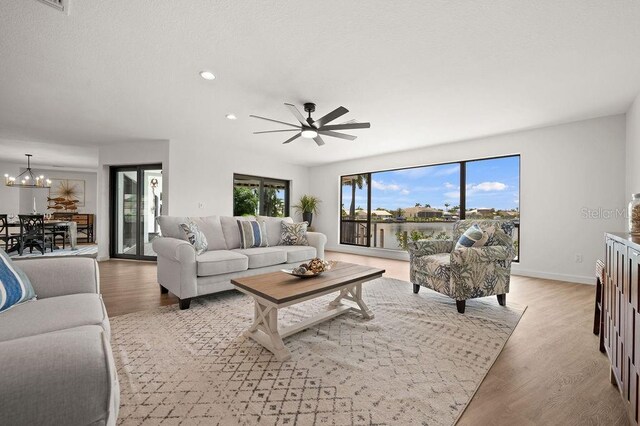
<point>309,274</point>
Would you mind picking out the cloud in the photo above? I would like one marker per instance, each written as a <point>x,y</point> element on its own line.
<point>453,195</point>
<point>376,184</point>
<point>404,192</point>
<point>485,187</point>
<point>449,185</point>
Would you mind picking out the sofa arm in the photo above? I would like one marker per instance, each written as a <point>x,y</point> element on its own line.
<point>428,247</point>
<point>317,240</point>
<point>482,254</point>
<point>174,249</point>
<point>60,276</point>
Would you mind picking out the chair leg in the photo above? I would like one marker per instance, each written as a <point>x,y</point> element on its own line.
<point>163,290</point>
<point>184,303</point>
<point>416,288</point>
<point>502,299</point>
<point>461,304</point>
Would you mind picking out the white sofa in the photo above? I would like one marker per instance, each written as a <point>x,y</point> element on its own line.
<point>188,275</point>
<point>55,356</point>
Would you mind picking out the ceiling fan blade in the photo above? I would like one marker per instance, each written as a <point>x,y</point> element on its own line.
<point>318,140</point>
<point>353,120</point>
<point>276,121</point>
<point>297,114</point>
<point>292,138</point>
<point>277,131</point>
<point>347,126</point>
<point>336,113</point>
<point>337,135</point>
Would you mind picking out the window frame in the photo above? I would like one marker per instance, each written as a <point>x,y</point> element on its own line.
<point>262,179</point>
<point>463,194</point>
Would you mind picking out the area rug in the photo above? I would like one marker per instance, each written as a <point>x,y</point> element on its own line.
<point>417,362</point>
<point>82,251</point>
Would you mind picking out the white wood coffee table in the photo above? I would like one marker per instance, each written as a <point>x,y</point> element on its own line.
<point>278,290</point>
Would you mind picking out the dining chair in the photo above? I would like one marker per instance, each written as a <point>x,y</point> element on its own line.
<point>4,231</point>
<point>33,233</point>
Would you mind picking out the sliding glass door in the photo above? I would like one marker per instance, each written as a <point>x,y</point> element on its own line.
<point>136,200</point>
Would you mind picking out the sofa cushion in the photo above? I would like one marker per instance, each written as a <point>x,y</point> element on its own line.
<point>260,257</point>
<point>62,378</point>
<point>299,253</point>
<point>53,314</point>
<point>274,228</point>
<point>219,262</point>
<point>170,226</point>
<point>209,225</point>
<point>15,287</point>
<point>231,231</point>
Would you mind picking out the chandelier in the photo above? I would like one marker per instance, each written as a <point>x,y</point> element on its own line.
<point>27,179</point>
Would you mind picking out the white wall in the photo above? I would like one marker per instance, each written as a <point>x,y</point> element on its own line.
<point>633,149</point>
<point>133,153</point>
<point>564,169</point>
<point>9,197</point>
<point>202,172</point>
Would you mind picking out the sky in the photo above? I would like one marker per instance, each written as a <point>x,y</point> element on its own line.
<point>492,183</point>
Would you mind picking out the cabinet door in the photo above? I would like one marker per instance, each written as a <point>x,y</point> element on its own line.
<point>607,303</point>
<point>632,336</point>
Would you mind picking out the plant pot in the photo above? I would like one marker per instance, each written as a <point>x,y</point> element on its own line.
<point>307,217</point>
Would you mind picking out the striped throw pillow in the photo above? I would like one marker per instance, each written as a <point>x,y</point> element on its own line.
<point>15,287</point>
<point>472,237</point>
<point>252,234</point>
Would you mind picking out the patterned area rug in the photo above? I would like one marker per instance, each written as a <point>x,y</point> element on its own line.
<point>82,251</point>
<point>417,362</point>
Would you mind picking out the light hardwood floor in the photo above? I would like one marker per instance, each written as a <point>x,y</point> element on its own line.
<point>549,373</point>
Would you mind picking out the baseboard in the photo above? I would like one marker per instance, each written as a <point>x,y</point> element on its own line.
<point>553,276</point>
<point>372,252</point>
<point>515,269</point>
<point>102,258</point>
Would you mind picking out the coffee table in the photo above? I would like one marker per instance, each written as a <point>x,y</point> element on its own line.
<point>277,290</point>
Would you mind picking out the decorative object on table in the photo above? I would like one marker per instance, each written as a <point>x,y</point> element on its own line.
<point>66,194</point>
<point>313,268</point>
<point>312,129</point>
<point>27,179</point>
<point>308,205</point>
<point>294,234</point>
<point>467,272</point>
<point>634,214</point>
<point>34,210</point>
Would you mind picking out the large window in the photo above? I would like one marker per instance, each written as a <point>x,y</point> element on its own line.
<point>253,195</point>
<point>388,209</point>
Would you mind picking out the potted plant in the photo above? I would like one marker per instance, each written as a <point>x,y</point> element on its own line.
<point>308,205</point>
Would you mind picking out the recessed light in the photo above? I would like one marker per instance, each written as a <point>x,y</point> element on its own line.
<point>207,75</point>
<point>309,134</point>
<point>231,116</point>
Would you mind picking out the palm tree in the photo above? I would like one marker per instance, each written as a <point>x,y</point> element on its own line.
<point>354,181</point>
<point>418,205</point>
<point>428,206</point>
<point>446,206</point>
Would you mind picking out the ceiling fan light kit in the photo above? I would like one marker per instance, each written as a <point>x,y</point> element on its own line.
<point>309,128</point>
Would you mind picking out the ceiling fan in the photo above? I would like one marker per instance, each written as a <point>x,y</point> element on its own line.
<point>312,129</point>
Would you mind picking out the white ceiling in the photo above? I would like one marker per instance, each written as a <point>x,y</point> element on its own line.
<point>422,72</point>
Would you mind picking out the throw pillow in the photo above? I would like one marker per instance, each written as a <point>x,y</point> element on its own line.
<point>472,237</point>
<point>195,236</point>
<point>294,234</point>
<point>252,234</point>
<point>15,287</point>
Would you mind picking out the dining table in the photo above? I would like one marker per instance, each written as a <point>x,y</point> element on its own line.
<point>72,231</point>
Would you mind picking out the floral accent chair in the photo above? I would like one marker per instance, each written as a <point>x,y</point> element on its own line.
<point>467,272</point>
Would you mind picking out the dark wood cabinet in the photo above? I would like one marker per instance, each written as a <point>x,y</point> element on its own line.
<point>84,222</point>
<point>620,309</point>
